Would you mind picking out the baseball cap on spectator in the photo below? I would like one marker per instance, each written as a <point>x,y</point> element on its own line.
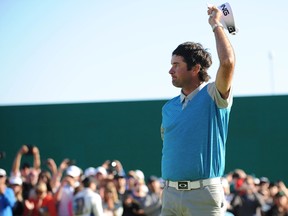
<point>139,174</point>
<point>15,180</point>
<point>152,178</point>
<point>256,181</point>
<point>73,171</point>
<point>101,170</point>
<point>2,172</point>
<point>91,171</point>
<point>264,180</point>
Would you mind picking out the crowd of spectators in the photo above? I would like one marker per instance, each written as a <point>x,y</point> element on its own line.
<point>68,189</point>
<point>107,189</point>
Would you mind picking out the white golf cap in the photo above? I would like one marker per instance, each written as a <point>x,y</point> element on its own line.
<point>91,171</point>
<point>73,171</point>
<point>227,18</point>
<point>139,174</point>
<point>2,172</point>
<point>15,180</point>
<point>101,170</point>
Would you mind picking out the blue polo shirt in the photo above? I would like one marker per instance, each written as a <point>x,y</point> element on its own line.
<point>7,201</point>
<point>194,137</point>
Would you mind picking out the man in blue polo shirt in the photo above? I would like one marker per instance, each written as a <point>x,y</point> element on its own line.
<point>7,198</point>
<point>194,127</point>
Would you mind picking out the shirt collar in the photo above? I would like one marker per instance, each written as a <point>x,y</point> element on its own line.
<point>192,94</point>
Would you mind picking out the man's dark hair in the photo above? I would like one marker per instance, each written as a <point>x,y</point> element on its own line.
<point>194,53</point>
<point>88,181</point>
<point>25,165</point>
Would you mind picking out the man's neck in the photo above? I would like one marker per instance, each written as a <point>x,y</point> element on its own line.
<point>188,90</point>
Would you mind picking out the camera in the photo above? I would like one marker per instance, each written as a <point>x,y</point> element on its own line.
<point>30,149</point>
<point>2,155</point>
<point>112,168</point>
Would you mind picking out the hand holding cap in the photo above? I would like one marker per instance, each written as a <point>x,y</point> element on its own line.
<point>224,15</point>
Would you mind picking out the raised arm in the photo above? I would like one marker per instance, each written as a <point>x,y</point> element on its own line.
<point>56,177</point>
<point>15,171</point>
<point>36,159</point>
<point>225,53</point>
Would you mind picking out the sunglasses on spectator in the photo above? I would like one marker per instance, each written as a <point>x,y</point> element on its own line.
<point>39,192</point>
<point>15,185</point>
<point>1,176</point>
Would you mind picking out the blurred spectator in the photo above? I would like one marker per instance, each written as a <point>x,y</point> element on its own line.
<point>139,194</point>
<point>131,181</point>
<point>28,150</point>
<point>238,177</point>
<point>136,191</point>
<point>101,177</point>
<point>15,182</point>
<point>264,188</point>
<point>113,168</point>
<point>120,183</point>
<point>42,204</point>
<point>282,187</point>
<point>268,191</point>
<point>280,206</point>
<point>152,203</point>
<point>131,207</point>
<point>228,197</point>
<point>118,193</point>
<point>273,190</point>
<point>49,177</point>
<point>247,202</point>
<point>112,206</point>
<point>125,186</point>
<point>29,183</point>
<point>28,174</point>
<point>87,202</point>
<point>64,194</point>
<point>7,198</point>
<point>43,177</point>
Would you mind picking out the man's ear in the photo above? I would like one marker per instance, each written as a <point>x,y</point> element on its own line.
<point>196,68</point>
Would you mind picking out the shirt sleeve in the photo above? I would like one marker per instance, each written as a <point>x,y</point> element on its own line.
<point>215,94</point>
<point>97,206</point>
<point>52,207</point>
<point>8,197</point>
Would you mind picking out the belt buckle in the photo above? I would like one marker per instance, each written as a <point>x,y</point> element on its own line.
<point>183,185</point>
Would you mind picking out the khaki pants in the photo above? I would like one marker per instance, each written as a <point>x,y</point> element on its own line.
<point>205,201</point>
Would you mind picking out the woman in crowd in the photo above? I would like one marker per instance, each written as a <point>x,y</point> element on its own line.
<point>112,206</point>
<point>42,204</point>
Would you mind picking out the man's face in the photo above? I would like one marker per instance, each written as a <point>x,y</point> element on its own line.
<point>33,177</point>
<point>69,180</point>
<point>179,73</point>
<point>2,179</point>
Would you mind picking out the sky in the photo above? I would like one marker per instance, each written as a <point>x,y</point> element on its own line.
<point>73,51</point>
